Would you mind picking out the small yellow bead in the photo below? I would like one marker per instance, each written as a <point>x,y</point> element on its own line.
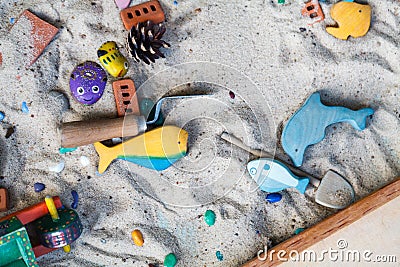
<point>137,237</point>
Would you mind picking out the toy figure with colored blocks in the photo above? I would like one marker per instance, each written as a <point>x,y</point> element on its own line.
<point>35,231</point>
<point>15,246</point>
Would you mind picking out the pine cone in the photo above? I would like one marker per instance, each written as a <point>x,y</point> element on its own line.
<point>144,41</point>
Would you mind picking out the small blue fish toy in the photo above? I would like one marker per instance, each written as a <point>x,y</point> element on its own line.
<point>272,176</point>
<point>307,126</point>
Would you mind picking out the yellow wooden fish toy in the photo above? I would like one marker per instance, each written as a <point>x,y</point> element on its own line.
<point>353,19</point>
<point>157,149</point>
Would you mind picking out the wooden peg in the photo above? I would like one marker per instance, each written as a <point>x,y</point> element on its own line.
<point>3,199</point>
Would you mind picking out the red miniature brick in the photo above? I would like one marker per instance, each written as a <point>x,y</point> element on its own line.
<point>38,35</point>
<point>3,199</point>
<point>313,9</point>
<point>151,10</point>
<point>125,97</point>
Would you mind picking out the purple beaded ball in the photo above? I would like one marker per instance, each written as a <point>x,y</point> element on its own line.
<point>87,82</point>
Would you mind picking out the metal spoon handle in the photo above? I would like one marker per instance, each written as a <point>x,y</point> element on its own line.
<point>159,103</point>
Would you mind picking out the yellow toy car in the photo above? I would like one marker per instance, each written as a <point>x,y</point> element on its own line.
<point>112,60</point>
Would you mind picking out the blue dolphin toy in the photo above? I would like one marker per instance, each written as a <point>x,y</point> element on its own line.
<point>307,126</point>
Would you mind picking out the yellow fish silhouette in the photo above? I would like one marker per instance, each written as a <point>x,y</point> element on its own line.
<point>157,149</point>
<point>353,19</point>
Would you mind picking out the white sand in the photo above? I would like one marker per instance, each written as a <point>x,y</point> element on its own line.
<point>260,39</point>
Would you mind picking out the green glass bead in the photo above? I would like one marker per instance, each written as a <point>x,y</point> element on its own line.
<point>170,260</point>
<point>209,217</point>
<point>64,150</point>
<point>219,255</point>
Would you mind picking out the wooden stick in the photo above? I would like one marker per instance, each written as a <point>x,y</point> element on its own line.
<point>3,199</point>
<point>330,225</point>
<point>80,133</point>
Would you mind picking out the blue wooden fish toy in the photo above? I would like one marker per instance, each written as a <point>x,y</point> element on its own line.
<point>272,176</point>
<point>307,126</point>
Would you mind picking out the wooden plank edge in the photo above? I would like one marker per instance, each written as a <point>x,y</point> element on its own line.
<point>329,225</point>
